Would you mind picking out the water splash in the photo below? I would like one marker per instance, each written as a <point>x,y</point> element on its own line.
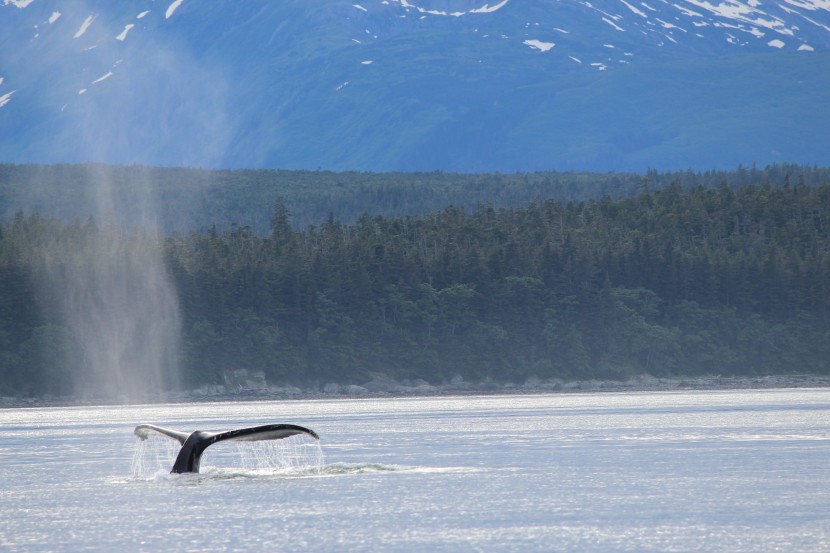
<point>152,456</point>
<point>295,455</point>
<point>137,466</point>
<point>289,454</point>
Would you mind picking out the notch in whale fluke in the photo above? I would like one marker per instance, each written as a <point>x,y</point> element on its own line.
<point>195,443</point>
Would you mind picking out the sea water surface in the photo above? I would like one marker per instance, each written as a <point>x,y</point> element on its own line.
<point>682,471</point>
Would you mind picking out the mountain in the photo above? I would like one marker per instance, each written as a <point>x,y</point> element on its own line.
<point>416,85</point>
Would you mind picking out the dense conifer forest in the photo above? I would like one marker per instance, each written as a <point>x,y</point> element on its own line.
<point>730,279</point>
<point>185,199</point>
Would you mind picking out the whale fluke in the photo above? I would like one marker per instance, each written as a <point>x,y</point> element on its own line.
<point>195,443</point>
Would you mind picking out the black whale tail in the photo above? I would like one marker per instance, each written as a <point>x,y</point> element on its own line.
<point>195,443</point>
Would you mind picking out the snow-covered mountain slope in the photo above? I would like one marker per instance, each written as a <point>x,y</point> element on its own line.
<point>468,85</point>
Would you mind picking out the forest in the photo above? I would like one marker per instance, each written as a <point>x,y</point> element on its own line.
<point>186,199</point>
<point>683,279</point>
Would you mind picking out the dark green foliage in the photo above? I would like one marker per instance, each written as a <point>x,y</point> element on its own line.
<point>679,279</point>
<point>196,199</point>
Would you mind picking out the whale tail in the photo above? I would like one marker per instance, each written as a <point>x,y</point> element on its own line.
<point>195,443</point>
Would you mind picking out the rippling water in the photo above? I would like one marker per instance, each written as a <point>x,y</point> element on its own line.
<point>692,471</point>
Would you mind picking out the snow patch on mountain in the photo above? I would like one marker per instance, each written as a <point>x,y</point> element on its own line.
<point>812,5</point>
<point>614,25</point>
<point>745,13</point>
<point>103,77</point>
<point>490,9</point>
<point>667,25</point>
<point>816,23</point>
<point>486,8</point>
<point>633,9</point>
<point>6,98</point>
<point>126,30</point>
<point>172,8</point>
<point>84,26</point>
<point>539,45</point>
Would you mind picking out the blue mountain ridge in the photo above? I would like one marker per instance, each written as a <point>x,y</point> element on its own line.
<point>416,85</point>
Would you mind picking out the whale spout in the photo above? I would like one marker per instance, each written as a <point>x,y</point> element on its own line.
<point>195,443</point>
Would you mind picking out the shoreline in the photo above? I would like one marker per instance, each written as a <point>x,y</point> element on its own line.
<point>384,387</point>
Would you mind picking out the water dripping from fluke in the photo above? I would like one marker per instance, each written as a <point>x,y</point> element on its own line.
<point>194,444</point>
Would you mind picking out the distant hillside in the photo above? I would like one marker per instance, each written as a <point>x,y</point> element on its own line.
<point>182,200</point>
<point>416,85</point>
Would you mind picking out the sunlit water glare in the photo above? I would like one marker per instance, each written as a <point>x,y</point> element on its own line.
<point>742,471</point>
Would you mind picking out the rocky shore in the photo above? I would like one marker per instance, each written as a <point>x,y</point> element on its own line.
<point>243,387</point>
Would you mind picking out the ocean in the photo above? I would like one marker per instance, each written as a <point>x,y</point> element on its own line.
<point>651,471</point>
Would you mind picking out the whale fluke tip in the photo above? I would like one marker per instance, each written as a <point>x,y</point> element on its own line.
<point>143,432</point>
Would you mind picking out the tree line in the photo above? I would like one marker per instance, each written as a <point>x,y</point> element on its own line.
<point>680,280</point>
<point>185,199</point>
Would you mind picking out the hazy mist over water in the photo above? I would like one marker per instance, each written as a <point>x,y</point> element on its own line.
<point>112,291</point>
<point>110,287</point>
